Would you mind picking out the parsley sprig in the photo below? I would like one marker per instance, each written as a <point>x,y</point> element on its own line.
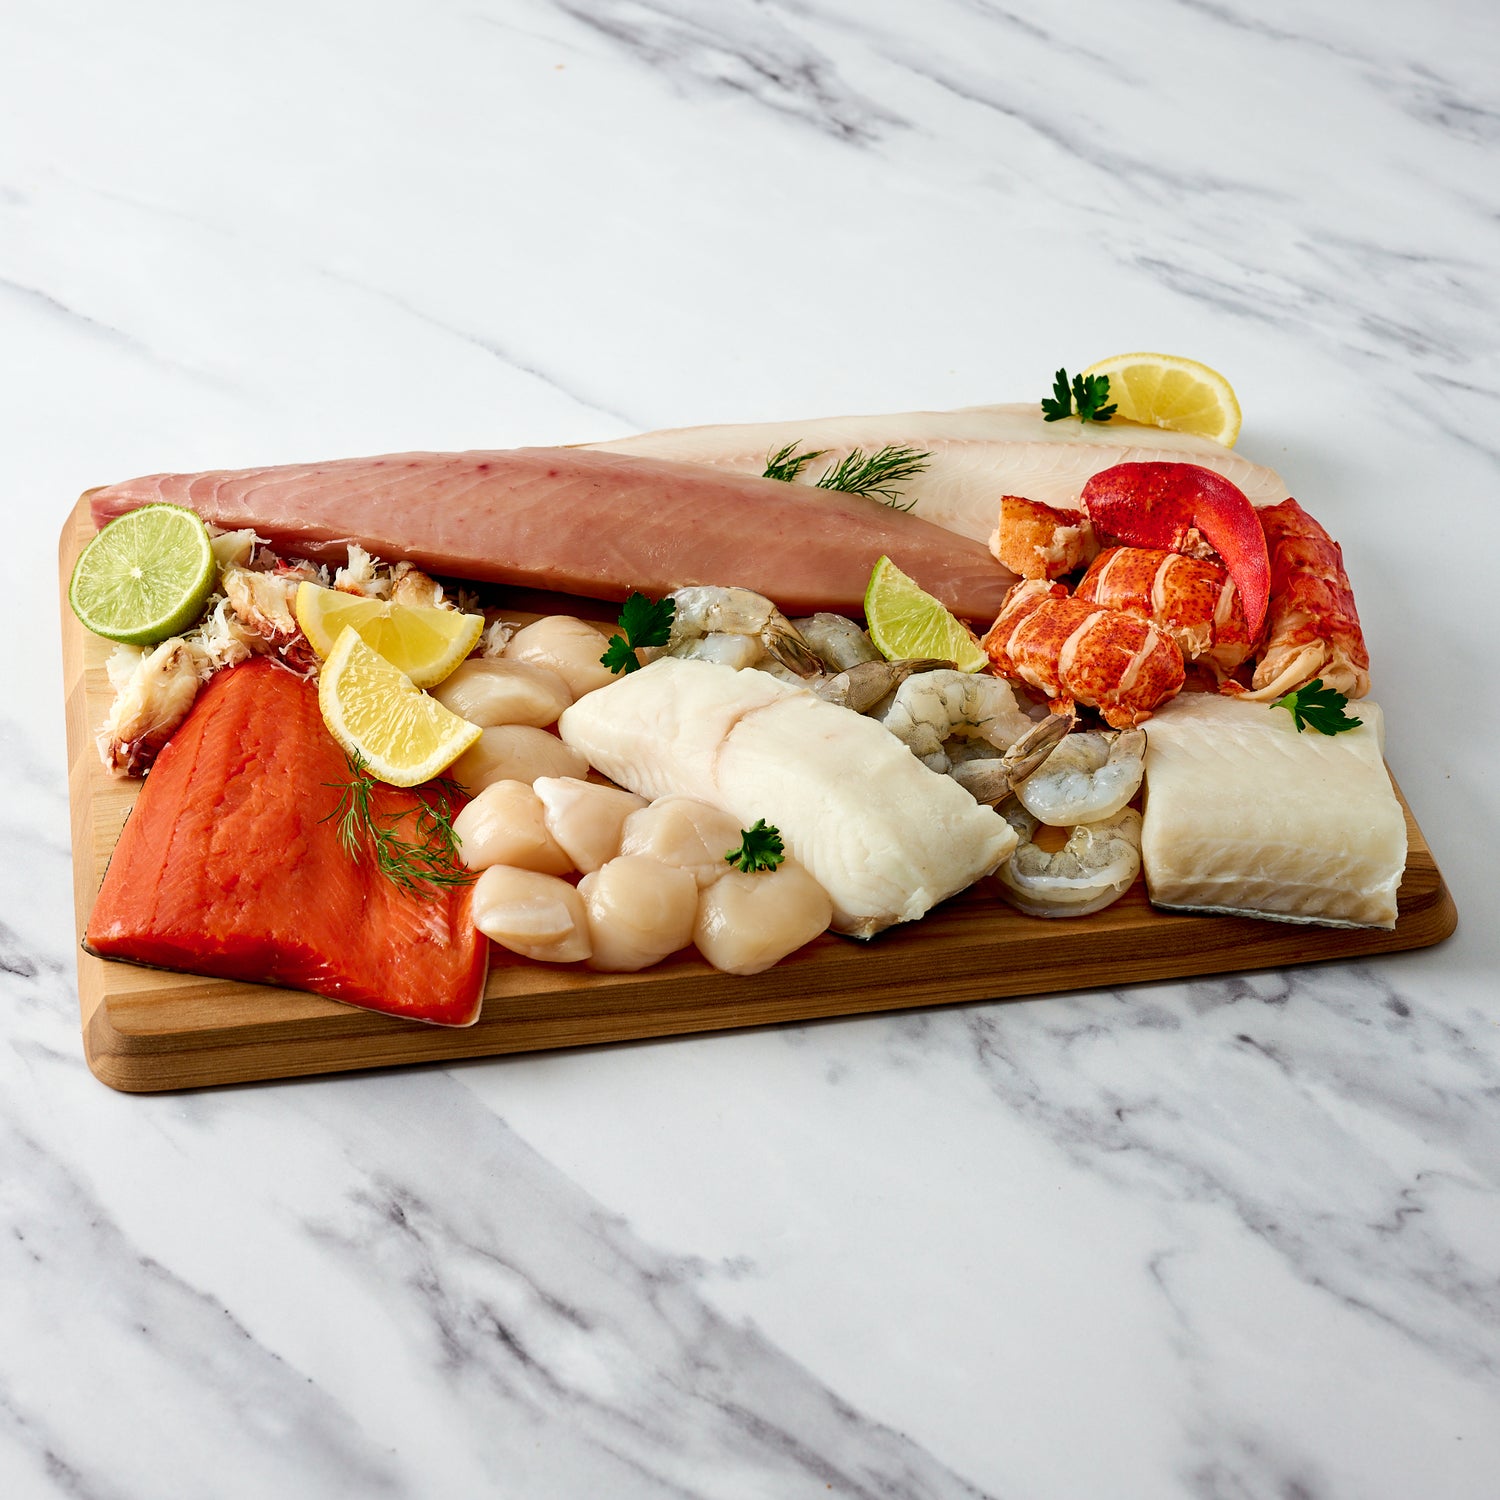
<point>760,848</point>
<point>422,864</point>
<point>1089,392</point>
<point>877,476</point>
<point>643,622</point>
<point>1317,707</point>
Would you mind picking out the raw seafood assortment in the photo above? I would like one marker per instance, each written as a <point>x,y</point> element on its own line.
<point>1118,574</point>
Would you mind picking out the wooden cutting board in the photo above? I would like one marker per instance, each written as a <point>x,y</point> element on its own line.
<point>145,1029</point>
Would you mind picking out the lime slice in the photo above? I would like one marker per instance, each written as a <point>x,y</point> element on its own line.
<point>146,576</point>
<point>1167,390</point>
<point>424,642</point>
<point>375,711</point>
<point>905,621</point>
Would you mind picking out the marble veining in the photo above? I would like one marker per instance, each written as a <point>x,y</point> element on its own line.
<point>1228,1239</point>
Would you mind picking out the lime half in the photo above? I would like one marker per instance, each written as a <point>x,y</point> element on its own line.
<point>146,576</point>
<point>905,621</point>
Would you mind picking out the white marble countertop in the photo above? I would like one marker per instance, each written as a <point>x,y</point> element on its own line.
<point>1236,1239</point>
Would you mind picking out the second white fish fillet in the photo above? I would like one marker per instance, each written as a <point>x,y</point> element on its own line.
<point>977,454</point>
<point>1245,816</point>
<point>883,835</point>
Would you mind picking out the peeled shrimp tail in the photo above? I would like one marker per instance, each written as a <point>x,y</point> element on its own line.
<point>992,779</point>
<point>1091,777</point>
<point>1096,866</point>
<point>862,686</point>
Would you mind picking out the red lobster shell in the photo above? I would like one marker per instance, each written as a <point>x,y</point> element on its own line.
<point>1076,651</point>
<point>1192,599</point>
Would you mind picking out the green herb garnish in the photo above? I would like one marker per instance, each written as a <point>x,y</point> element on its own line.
<point>786,463</point>
<point>1090,392</point>
<point>1318,707</point>
<point>878,475</point>
<point>760,848</point>
<point>643,622</point>
<point>423,864</point>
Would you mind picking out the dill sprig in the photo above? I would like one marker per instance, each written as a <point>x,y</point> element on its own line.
<point>786,463</point>
<point>878,475</point>
<point>422,865</point>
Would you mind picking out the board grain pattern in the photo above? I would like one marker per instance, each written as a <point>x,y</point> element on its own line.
<point>146,1030</point>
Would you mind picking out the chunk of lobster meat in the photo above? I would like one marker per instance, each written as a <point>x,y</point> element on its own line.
<point>1178,507</point>
<point>1314,628</point>
<point>1041,541</point>
<point>1192,599</point>
<point>1075,651</point>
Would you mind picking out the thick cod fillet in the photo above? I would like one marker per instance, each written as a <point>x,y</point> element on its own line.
<point>228,866</point>
<point>1248,817</point>
<point>883,835</point>
<point>581,522</point>
<point>977,454</point>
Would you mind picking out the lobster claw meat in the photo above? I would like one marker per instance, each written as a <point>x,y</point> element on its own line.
<point>1162,504</point>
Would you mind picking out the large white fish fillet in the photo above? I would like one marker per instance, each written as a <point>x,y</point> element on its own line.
<point>1246,816</point>
<point>978,454</point>
<point>884,836</point>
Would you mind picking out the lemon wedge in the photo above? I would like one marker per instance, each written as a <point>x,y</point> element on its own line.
<point>906,621</point>
<point>375,711</point>
<point>423,642</point>
<point>1166,390</point>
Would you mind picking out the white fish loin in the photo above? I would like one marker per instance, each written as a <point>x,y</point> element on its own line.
<point>884,836</point>
<point>977,455</point>
<point>1248,817</point>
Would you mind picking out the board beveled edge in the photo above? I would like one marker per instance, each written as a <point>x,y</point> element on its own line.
<point>988,952</point>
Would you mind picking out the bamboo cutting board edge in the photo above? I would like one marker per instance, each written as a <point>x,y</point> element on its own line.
<point>148,1030</point>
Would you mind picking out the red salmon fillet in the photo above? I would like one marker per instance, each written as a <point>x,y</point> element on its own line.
<point>223,867</point>
<point>582,522</point>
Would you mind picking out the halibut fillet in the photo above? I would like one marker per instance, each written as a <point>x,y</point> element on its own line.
<point>1247,817</point>
<point>883,835</point>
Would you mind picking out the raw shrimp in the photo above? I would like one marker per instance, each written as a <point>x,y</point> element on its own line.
<point>538,916</point>
<point>488,692</point>
<point>506,825</point>
<point>1096,866</point>
<point>515,752</point>
<point>863,685</point>
<point>586,819</point>
<point>837,640</point>
<point>706,610</point>
<point>748,921</point>
<point>1088,777</point>
<point>639,911</point>
<point>569,646</point>
<point>931,708</point>
<point>989,779</point>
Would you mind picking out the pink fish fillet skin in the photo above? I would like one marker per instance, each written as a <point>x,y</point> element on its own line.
<point>578,521</point>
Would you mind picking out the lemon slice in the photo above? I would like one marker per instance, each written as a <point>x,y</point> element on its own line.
<point>1166,390</point>
<point>906,621</point>
<point>146,576</point>
<point>424,642</point>
<point>374,710</point>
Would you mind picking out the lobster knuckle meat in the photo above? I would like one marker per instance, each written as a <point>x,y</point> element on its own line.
<point>1164,504</point>
<point>1193,600</point>
<point>1035,540</point>
<point>1314,628</point>
<point>1075,651</point>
